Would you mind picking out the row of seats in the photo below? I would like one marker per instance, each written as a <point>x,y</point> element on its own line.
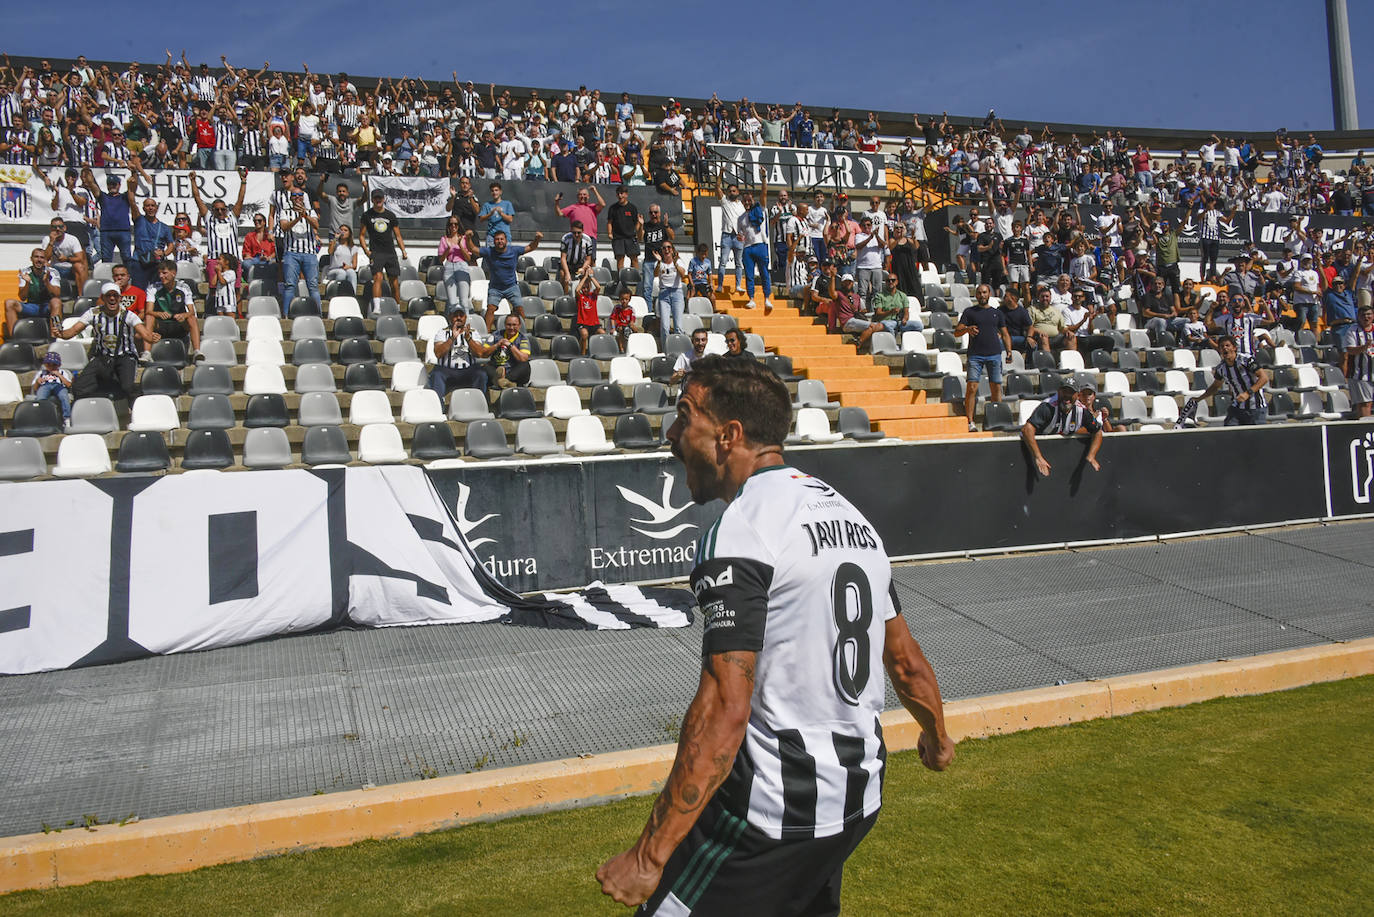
<point>144,451</point>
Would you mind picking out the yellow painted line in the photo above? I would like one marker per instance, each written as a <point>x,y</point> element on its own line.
<point>180,843</point>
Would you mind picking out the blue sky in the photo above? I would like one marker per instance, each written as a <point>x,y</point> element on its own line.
<point>1249,66</point>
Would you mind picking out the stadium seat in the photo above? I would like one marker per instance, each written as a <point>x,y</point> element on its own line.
<point>550,290</point>
<point>565,347</point>
<point>319,409</point>
<point>583,372</point>
<point>390,326</point>
<point>1176,383</point>
<point>997,417</point>
<point>264,353</point>
<point>264,379</point>
<point>1163,410</point>
<point>357,350</point>
<point>221,328</point>
<point>608,400</point>
<point>779,364</point>
<point>1133,410</point>
<point>486,439</point>
<point>1071,360</point>
<point>652,398</point>
<point>410,289</point>
<point>676,345</point>
<point>661,369</point>
<point>170,352</point>
<point>308,328</point>
<point>467,405</point>
<point>261,328</point>
<point>349,326</point>
<point>633,431</point>
<point>266,447</point>
<point>565,307</point>
<point>156,413</point>
<point>562,401</point>
<point>516,404</point>
<point>217,353</point>
<point>421,405</point>
<point>721,323</point>
<point>266,409</point>
<point>370,407</point>
<point>1281,406</point>
<point>93,415</point>
<point>82,455</point>
<point>1026,407</point>
<point>913,342</point>
<point>603,347</point>
<point>546,327</point>
<point>206,450</point>
<point>692,323</point>
<point>1184,359</point>
<point>207,379</point>
<point>813,427</point>
<point>409,375</point>
<point>535,436</point>
<point>666,424</point>
<point>884,343</point>
<point>310,350</point>
<point>399,350</point>
<point>811,394</point>
<point>380,443</point>
<point>315,377</point>
<point>210,411</point>
<point>21,457</point>
<point>143,452</point>
<point>1338,408</point>
<point>854,424</point>
<point>263,305</point>
<point>1311,405</point>
<point>432,441</point>
<point>700,305</point>
<point>586,435</point>
<point>161,379</point>
<point>1115,383</point>
<point>1018,385</point>
<point>641,346</point>
<point>325,445</point>
<point>626,371</point>
<point>344,307</point>
<point>73,354</point>
<point>544,373</point>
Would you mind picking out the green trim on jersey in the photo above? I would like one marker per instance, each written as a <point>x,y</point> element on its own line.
<point>708,858</point>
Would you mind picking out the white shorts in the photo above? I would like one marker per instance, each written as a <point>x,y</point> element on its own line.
<point>1018,273</point>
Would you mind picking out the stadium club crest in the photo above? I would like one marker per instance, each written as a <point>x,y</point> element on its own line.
<point>14,193</point>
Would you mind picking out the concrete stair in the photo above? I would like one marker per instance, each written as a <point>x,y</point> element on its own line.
<point>853,379</point>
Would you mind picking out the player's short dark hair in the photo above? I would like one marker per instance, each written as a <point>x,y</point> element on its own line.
<point>746,391</point>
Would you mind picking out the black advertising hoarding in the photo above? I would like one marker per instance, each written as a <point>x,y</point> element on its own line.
<point>1271,230</point>
<point>555,524</point>
<point>789,167</point>
<point>563,524</point>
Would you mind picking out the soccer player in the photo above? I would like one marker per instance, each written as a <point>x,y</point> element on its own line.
<point>779,767</point>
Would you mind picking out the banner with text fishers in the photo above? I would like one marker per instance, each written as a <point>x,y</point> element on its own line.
<point>25,199</point>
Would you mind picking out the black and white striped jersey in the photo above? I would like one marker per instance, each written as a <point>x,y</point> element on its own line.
<point>793,572</point>
<point>1362,362</point>
<point>221,236</point>
<point>112,335</point>
<point>1240,377</point>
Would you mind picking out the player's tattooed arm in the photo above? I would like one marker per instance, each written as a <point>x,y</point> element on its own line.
<point>712,731</point>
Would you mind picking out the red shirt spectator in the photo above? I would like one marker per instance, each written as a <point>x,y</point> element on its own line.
<point>255,246</point>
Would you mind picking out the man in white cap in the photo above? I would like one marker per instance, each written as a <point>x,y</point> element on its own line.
<point>113,357</point>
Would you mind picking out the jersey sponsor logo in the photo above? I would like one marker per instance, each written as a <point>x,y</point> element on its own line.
<point>660,514</point>
<point>726,577</point>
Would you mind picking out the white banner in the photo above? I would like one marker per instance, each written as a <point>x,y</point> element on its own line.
<point>413,197</point>
<point>103,571</point>
<point>24,198</point>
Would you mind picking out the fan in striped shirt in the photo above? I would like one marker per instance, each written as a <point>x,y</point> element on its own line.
<point>1360,362</point>
<point>1246,379</point>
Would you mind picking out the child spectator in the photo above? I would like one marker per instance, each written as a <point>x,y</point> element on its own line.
<point>699,270</point>
<point>222,296</point>
<point>623,317</point>
<point>53,382</point>
<point>588,321</point>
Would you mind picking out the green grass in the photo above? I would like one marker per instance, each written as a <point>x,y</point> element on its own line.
<point>1258,805</point>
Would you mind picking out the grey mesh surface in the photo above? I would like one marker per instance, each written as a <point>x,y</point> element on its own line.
<point>286,717</point>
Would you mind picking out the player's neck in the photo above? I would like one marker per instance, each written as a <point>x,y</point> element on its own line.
<point>747,466</point>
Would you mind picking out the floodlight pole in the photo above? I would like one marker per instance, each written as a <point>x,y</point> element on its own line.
<point>1342,71</point>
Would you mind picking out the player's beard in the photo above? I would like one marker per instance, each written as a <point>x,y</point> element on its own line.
<point>703,477</point>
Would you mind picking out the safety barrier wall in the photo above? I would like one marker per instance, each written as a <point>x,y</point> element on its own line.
<point>548,525</point>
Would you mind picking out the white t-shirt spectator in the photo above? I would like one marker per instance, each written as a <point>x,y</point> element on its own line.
<point>1308,279</point>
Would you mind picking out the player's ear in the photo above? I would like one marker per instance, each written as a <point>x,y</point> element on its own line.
<point>732,434</point>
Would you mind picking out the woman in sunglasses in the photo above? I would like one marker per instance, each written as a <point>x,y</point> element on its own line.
<point>456,251</point>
